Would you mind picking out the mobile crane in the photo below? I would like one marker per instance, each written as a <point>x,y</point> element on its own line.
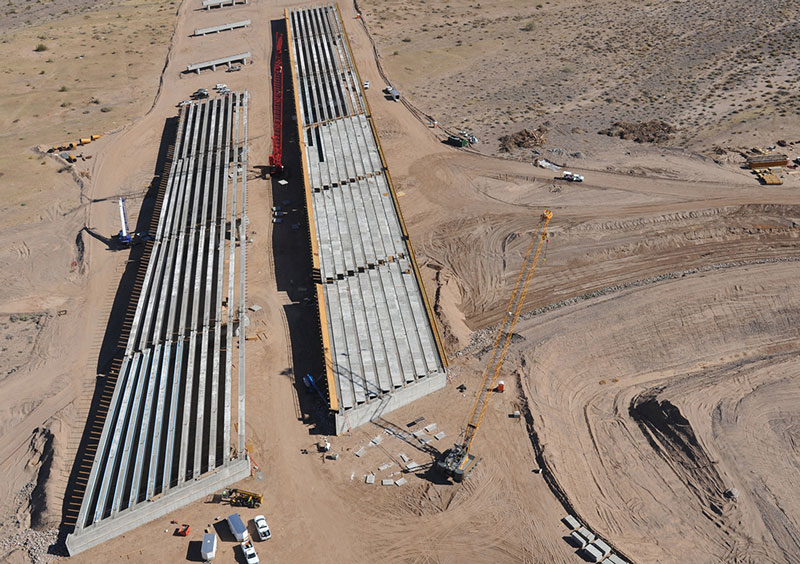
<point>458,462</point>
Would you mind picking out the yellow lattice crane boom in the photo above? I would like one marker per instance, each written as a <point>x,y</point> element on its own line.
<point>457,462</point>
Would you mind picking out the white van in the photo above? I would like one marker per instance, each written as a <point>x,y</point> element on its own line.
<point>238,528</point>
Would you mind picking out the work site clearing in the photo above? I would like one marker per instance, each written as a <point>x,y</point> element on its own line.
<point>649,398</point>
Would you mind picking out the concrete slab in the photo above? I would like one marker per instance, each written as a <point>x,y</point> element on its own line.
<point>430,428</point>
<point>404,457</point>
<point>440,435</point>
<point>602,546</point>
<point>387,482</point>
<point>592,553</point>
<point>386,466</point>
<point>360,452</point>
<point>370,479</point>
<point>586,533</point>
<point>400,482</point>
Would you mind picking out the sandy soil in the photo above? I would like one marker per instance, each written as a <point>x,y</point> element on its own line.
<point>721,72</point>
<point>656,357</point>
<point>97,71</point>
<point>675,393</point>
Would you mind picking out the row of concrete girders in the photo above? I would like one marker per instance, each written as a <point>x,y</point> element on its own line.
<point>221,28</point>
<point>173,333</point>
<point>208,4</point>
<point>328,85</point>
<point>355,219</point>
<point>381,338</point>
<point>197,67</point>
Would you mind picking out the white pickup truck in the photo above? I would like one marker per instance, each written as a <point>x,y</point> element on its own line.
<point>249,552</point>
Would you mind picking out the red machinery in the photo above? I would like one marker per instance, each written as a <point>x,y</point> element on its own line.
<point>276,158</point>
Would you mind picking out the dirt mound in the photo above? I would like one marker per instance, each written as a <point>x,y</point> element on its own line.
<point>523,139</point>
<point>40,463</point>
<point>654,131</point>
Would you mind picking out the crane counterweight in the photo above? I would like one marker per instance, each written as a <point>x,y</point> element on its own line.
<point>458,462</point>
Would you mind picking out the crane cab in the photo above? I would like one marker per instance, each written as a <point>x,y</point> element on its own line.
<point>457,463</point>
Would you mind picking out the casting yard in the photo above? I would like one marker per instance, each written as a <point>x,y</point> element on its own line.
<point>655,366</point>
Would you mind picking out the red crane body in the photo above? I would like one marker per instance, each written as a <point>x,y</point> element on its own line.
<point>276,158</point>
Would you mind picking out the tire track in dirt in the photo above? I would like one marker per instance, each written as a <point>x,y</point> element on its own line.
<point>704,369</point>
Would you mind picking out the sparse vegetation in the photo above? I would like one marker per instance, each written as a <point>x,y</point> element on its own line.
<point>41,47</point>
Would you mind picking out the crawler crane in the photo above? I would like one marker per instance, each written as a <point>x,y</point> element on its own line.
<point>458,462</point>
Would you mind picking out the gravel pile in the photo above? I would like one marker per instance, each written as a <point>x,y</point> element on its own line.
<point>523,139</point>
<point>645,132</point>
<point>35,543</point>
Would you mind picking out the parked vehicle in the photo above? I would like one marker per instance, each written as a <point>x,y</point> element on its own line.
<point>572,177</point>
<point>250,552</point>
<point>262,528</point>
<point>238,528</point>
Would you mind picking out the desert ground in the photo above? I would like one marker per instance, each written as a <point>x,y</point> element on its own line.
<point>655,366</point>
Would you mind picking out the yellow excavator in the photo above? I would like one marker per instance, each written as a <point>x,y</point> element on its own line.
<point>458,462</point>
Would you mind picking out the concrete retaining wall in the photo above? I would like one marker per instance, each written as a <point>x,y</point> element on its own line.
<point>83,539</point>
<point>388,403</point>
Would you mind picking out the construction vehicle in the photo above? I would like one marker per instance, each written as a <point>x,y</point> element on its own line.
<point>124,235</point>
<point>458,462</point>
<point>276,158</point>
<point>457,141</point>
<point>242,498</point>
<point>183,530</point>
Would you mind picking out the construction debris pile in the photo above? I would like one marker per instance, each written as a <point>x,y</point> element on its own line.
<point>654,131</point>
<point>523,139</point>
